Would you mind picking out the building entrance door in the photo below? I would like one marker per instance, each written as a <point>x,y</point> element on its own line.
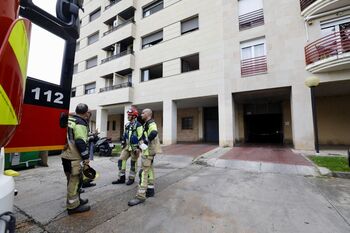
<point>211,125</point>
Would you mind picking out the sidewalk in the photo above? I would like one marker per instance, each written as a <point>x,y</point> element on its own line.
<point>261,160</point>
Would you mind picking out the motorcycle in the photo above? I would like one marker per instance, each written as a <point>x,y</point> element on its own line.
<point>102,145</point>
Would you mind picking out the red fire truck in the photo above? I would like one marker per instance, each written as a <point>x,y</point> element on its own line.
<point>33,113</point>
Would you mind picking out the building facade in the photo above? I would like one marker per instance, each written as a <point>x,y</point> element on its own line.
<point>221,71</point>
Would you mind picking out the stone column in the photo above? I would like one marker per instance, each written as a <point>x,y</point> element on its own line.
<point>169,122</point>
<point>226,120</point>
<point>302,123</point>
<point>101,121</point>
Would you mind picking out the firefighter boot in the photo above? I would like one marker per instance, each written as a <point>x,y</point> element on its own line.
<point>79,209</point>
<point>130,181</point>
<point>83,201</point>
<point>121,180</point>
<point>135,201</point>
<point>150,192</point>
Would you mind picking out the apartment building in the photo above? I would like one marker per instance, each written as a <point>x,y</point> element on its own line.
<point>222,71</point>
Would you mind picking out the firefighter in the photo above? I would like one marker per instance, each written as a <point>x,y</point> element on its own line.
<point>130,143</point>
<point>150,146</point>
<point>76,154</point>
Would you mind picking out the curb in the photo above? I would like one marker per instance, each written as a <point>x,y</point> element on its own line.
<point>343,175</point>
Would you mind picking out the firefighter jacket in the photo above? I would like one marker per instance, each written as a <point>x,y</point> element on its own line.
<point>151,137</point>
<point>133,133</point>
<point>77,139</point>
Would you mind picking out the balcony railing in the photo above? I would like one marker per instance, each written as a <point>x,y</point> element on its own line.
<point>115,87</point>
<point>254,66</point>
<point>126,52</point>
<point>251,19</point>
<point>119,26</point>
<point>111,4</point>
<point>305,3</point>
<point>334,44</point>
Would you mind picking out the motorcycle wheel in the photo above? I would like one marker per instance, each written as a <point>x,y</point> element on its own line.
<point>106,152</point>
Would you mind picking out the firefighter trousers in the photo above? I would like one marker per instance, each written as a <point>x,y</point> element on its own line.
<point>147,176</point>
<point>124,156</point>
<point>73,172</point>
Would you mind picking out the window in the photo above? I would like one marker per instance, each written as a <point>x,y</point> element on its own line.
<point>90,88</point>
<point>152,8</point>
<point>248,6</point>
<point>95,14</point>
<point>73,92</point>
<point>92,62</point>
<point>252,49</point>
<point>189,25</point>
<point>190,63</point>
<point>93,38</point>
<point>150,40</point>
<point>75,69</point>
<point>107,125</point>
<point>251,14</point>
<point>187,123</point>
<point>253,57</point>
<point>152,72</point>
<point>114,124</point>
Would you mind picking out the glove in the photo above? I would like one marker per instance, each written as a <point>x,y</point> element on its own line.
<point>143,146</point>
<point>123,144</point>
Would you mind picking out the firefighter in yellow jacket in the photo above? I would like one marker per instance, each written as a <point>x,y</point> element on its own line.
<point>76,154</point>
<point>150,146</point>
<point>130,143</point>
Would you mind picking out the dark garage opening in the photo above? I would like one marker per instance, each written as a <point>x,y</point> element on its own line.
<point>263,123</point>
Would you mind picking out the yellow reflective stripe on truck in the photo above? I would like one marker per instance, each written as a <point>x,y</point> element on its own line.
<point>8,115</point>
<point>19,42</point>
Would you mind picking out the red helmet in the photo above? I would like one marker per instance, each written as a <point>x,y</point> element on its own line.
<point>133,112</point>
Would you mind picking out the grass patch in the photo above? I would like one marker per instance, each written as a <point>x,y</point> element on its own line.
<point>116,150</point>
<point>337,164</point>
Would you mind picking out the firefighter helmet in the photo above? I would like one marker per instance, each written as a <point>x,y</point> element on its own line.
<point>133,112</point>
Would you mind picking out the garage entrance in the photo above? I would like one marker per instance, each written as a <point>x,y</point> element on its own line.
<point>264,117</point>
<point>263,123</point>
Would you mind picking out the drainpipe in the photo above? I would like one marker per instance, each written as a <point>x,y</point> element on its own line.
<point>307,31</point>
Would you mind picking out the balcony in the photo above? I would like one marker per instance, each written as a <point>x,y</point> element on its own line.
<point>116,64</point>
<point>119,26</point>
<point>115,95</point>
<point>329,53</point>
<point>251,19</point>
<point>112,3</point>
<point>312,7</point>
<point>254,66</point>
<point>116,56</point>
<point>118,33</point>
<point>115,87</point>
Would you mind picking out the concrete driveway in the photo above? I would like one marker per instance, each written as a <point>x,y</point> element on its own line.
<point>189,198</point>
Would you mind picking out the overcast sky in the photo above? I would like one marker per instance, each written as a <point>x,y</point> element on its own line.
<point>46,49</point>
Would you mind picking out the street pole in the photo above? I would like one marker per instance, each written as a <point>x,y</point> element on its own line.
<point>314,113</point>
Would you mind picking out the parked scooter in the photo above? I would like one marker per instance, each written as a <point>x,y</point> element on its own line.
<point>102,145</point>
